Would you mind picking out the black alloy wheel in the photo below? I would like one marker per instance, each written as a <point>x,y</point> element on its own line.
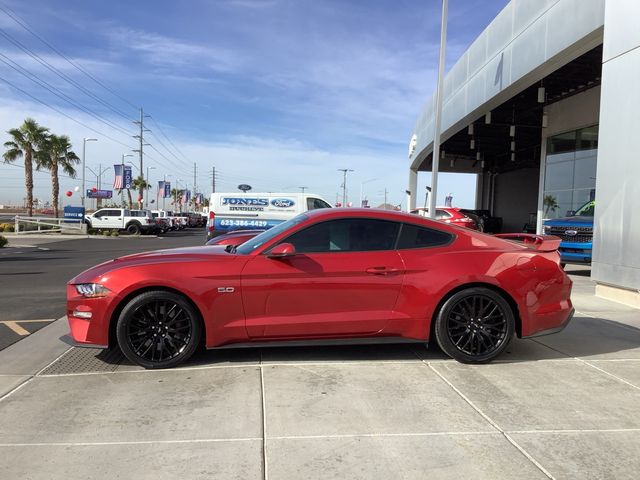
<point>475,325</point>
<point>158,329</point>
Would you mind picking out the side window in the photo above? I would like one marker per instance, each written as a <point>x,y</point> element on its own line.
<point>113,213</point>
<point>413,236</point>
<point>100,213</point>
<point>316,203</point>
<point>346,235</point>
<point>440,214</point>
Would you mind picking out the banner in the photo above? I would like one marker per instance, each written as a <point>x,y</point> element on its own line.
<point>128,177</point>
<point>167,189</point>
<point>99,193</point>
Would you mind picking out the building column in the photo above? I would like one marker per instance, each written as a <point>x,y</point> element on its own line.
<point>412,189</point>
<point>543,165</point>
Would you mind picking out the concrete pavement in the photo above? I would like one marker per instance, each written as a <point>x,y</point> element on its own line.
<point>562,406</point>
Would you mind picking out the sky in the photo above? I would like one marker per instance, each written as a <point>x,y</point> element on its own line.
<point>278,94</point>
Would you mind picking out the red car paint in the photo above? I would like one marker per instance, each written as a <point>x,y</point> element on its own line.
<point>449,215</point>
<point>332,295</point>
<point>235,237</point>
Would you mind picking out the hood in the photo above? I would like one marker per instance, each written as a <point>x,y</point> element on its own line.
<point>569,221</point>
<point>187,254</point>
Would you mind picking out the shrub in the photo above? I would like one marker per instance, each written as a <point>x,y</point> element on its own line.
<point>3,241</point>
<point>92,231</point>
<point>115,233</point>
<point>7,227</point>
<point>105,233</point>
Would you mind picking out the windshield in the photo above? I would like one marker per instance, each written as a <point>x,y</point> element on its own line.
<point>250,245</point>
<point>587,210</point>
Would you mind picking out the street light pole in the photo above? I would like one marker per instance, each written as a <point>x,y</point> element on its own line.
<point>84,148</point>
<point>344,185</point>
<point>439,96</point>
<point>146,197</point>
<point>362,189</point>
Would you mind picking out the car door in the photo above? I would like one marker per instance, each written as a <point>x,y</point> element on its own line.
<point>100,219</point>
<point>344,280</point>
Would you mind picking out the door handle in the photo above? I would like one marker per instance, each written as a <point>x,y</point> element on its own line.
<point>381,270</point>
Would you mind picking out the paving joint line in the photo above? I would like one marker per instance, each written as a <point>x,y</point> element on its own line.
<point>620,379</point>
<point>31,377</point>
<point>510,439</point>
<point>264,422</point>
<point>134,442</point>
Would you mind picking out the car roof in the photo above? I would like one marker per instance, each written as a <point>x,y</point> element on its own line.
<point>376,213</point>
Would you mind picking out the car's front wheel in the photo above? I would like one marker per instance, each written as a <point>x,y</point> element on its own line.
<point>158,329</point>
<point>475,325</point>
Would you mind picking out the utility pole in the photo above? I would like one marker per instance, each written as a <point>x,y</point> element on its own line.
<point>142,144</point>
<point>302,189</point>
<point>195,174</point>
<point>344,184</point>
<point>213,180</point>
<point>385,198</point>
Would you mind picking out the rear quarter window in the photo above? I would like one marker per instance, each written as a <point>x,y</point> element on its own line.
<point>414,236</point>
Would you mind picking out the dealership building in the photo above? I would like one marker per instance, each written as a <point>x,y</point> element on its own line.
<point>544,107</point>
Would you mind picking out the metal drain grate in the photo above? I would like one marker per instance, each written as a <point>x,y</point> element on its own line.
<point>85,360</point>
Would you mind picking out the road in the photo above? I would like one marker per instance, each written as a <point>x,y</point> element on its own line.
<point>33,279</point>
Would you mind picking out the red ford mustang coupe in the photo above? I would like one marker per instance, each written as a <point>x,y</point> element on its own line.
<point>348,275</point>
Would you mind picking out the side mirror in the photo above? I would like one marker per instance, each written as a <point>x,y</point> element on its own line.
<point>282,250</point>
<point>571,213</point>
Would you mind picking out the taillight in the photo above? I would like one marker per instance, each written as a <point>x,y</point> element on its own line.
<point>212,217</point>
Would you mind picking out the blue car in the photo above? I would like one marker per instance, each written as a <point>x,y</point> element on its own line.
<point>576,232</point>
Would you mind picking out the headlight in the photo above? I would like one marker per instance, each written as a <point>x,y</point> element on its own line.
<point>92,290</point>
<point>546,227</point>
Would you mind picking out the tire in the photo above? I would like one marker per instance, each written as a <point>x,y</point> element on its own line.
<point>158,329</point>
<point>133,228</point>
<point>475,325</point>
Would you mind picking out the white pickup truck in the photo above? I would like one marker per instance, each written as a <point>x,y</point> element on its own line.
<point>121,219</point>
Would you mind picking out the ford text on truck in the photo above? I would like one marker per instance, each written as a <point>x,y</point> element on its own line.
<point>243,211</point>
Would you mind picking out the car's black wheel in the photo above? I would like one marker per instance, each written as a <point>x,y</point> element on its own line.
<point>133,228</point>
<point>158,329</point>
<point>475,325</point>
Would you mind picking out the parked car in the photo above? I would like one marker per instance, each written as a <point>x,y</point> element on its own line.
<point>576,232</point>
<point>236,237</point>
<point>154,226</point>
<point>328,274</point>
<point>121,219</point>
<point>450,215</point>
<point>163,220</point>
<point>235,211</point>
<point>488,223</point>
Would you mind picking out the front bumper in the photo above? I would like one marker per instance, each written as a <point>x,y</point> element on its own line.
<point>93,331</point>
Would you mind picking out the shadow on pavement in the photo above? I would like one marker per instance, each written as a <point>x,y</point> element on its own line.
<point>584,337</point>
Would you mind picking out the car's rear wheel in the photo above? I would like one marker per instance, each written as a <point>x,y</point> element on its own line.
<point>158,329</point>
<point>133,228</point>
<point>475,325</point>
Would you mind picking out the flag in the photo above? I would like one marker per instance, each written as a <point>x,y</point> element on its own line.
<point>186,196</point>
<point>167,189</point>
<point>160,189</point>
<point>118,182</point>
<point>199,199</point>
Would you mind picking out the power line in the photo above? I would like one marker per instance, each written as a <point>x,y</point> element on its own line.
<point>64,76</point>
<point>168,139</point>
<point>46,85</point>
<point>25,25</point>
<point>62,113</point>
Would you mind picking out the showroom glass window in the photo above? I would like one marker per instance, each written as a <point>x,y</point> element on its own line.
<point>346,235</point>
<point>570,174</point>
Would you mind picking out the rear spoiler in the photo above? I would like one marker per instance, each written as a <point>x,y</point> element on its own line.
<point>542,243</point>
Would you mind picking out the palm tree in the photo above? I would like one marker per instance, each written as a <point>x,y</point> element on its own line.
<point>550,204</point>
<point>141,185</point>
<point>25,142</point>
<point>56,152</point>
<point>175,194</point>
